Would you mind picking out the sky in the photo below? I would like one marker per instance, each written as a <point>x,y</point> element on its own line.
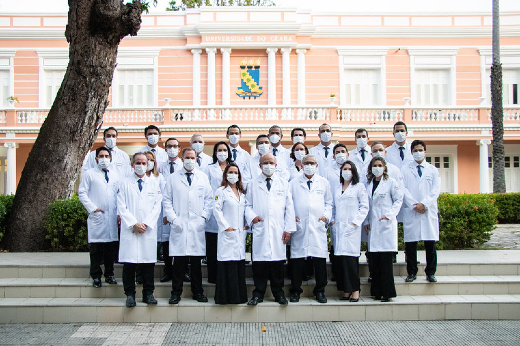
<point>382,6</point>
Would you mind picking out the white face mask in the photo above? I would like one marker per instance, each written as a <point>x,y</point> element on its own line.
<point>326,137</point>
<point>198,147</point>
<point>298,139</point>
<point>341,158</point>
<point>189,164</point>
<point>150,166</point>
<point>153,139</point>
<point>103,163</point>
<point>378,171</point>
<point>232,178</point>
<point>400,136</point>
<point>110,142</point>
<point>173,152</point>
<point>234,139</point>
<point>263,148</point>
<point>299,154</point>
<point>361,142</point>
<point>310,169</point>
<point>418,156</point>
<point>378,154</point>
<point>140,169</point>
<point>268,169</point>
<point>346,174</point>
<point>222,156</point>
<point>274,139</point>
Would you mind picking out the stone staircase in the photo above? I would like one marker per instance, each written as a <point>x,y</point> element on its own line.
<point>55,288</point>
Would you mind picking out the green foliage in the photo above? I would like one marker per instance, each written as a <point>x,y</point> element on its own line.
<point>508,205</point>
<point>66,225</point>
<point>6,203</point>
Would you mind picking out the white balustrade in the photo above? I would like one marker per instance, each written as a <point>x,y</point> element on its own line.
<point>445,114</point>
<point>31,116</point>
<point>370,114</point>
<point>133,115</point>
<point>510,113</point>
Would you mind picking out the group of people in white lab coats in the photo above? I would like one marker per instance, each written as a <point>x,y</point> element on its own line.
<point>197,206</point>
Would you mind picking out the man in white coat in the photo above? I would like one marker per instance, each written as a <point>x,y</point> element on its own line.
<point>188,205</point>
<point>97,192</point>
<point>270,211</point>
<point>361,155</point>
<point>323,151</point>
<point>139,206</point>
<point>340,156</point>
<point>153,134</point>
<point>277,149</point>
<point>238,155</point>
<point>422,184</point>
<point>253,169</point>
<point>203,160</point>
<point>298,135</point>
<point>399,153</point>
<point>312,199</point>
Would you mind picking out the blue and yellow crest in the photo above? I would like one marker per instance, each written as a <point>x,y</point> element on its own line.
<point>250,77</point>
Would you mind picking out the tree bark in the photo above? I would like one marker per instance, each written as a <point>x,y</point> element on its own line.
<point>94,31</point>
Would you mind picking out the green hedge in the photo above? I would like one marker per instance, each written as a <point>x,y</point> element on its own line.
<point>6,203</point>
<point>508,205</point>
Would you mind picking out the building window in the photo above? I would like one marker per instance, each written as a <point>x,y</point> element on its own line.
<point>490,162</point>
<point>432,87</point>
<point>134,88</point>
<point>507,161</point>
<point>362,87</point>
<point>4,87</point>
<point>53,79</point>
<point>510,87</point>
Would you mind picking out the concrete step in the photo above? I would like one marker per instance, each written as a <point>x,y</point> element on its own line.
<point>77,310</point>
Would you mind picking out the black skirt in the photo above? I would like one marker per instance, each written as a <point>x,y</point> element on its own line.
<point>347,277</point>
<point>231,282</point>
<point>382,275</point>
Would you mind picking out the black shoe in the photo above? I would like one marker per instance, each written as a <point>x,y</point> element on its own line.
<point>186,277</point>
<point>160,258</point>
<point>254,301</point>
<point>130,301</point>
<point>166,278</point>
<point>281,300</point>
<point>410,278</point>
<point>149,299</point>
<point>431,278</point>
<point>320,298</point>
<point>174,299</point>
<point>369,279</point>
<point>354,300</point>
<point>385,300</point>
<point>377,297</point>
<point>295,297</point>
<point>306,278</point>
<point>200,298</point>
<point>110,280</point>
<point>96,283</point>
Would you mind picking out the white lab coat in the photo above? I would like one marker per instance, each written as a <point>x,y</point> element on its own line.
<point>276,208</point>
<point>120,162</point>
<point>333,174</point>
<point>242,160</point>
<point>160,154</point>
<point>254,170</point>
<point>94,192</point>
<point>138,206</point>
<point>361,165</point>
<point>163,231</point>
<point>323,162</point>
<point>215,174</point>
<point>164,167</point>
<point>351,206</point>
<point>310,238</point>
<point>205,160</point>
<point>229,211</point>
<point>294,172</point>
<point>187,208</point>
<point>393,155</point>
<point>425,190</point>
<point>385,201</point>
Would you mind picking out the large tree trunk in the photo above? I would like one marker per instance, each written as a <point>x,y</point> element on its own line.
<point>94,31</point>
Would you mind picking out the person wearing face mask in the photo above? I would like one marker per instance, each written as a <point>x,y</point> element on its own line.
<point>399,153</point>
<point>120,160</point>
<point>298,152</point>
<point>188,205</point>
<point>139,206</point>
<point>361,155</point>
<point>278,150</point>
<point>229,215</point>
<point>350,208</point>
<point>174,162</point>
<point>422,184</point>
<point>202,159</point>
<point>270,212</point>
<point>340,155</point>
<point>238,155</point>
<point>298,135</point>
<point>323,151</point>
<point>152,134</point>
<point>252,170</point>
<point>385,197</point>
<point>98,192</point>
<point>312,200</point>
<point>214,171</point>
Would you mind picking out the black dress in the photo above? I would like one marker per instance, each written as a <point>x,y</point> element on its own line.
<point>231,282</point>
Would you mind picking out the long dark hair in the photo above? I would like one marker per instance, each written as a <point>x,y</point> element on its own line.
<point>353,169</point>
<point>225,183</point>
<point>228,160</point>
<point>370,175</point>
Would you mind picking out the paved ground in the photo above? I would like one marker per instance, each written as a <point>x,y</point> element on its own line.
<point>505,237</point>
<point>324,333</point>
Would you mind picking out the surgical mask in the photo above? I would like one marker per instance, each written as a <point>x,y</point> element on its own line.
<point>222,156</point>
<point>341,158</point>
<point>310,169</point>
<point>172,152</point>
<point>418,155</point>
<point>379,154</point>
<point>326,137</point>
<point>110,142</point>
<point>189,164</point>
<point>400,136</point>
<point>232,178</point>
<point>299,154</point>
<point>103,163</point>
<point>378,171</point>
<point>198,147</point>
<point>268,169</point>
<point>153,139</point>
<point>140,169</point>
<point>274,139</point>
<point>346,174</point>
<point>150,166</point>
<point>234,139</point>
<point>263,148</point>
<point>298,139</point>
<point>361,142</point>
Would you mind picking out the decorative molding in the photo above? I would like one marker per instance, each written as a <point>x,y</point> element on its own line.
<point>364,51</point>
<point>432,51</point>
<point>504,50</point>
<point>247,28</point>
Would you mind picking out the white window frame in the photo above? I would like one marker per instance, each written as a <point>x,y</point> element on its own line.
<point>451,152</point>
<point>8,57</point>
<point>509,60</point>
<point>50,60</point>
<point>509,150</point>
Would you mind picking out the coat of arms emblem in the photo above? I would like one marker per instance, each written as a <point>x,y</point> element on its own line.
<point>250,78</point>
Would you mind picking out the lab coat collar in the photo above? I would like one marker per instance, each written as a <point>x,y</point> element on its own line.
<point>232,194</point>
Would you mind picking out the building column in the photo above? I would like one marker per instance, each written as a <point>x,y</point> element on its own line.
<point>484,170</point>
<point>226,86</point>
<point>301,76</point>
<point>286,65</point>
<point>196,76</point>
<point>211,75</point>
<point>271,76</point>
<point>10,185</point>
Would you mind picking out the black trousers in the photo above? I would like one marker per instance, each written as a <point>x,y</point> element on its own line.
<point>168,260</point>
<point>99,253</point>
<point>211,256</point>
<point>268,270</point>
<point>382,275</point>
<point>410,250</point>
<point>333,262</point>
<point>146,270</point>
<point>368,256</point>
<point>298,267</point>
<point>178,270</point>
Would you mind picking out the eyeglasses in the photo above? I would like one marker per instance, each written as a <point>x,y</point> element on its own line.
<point>309,163</point>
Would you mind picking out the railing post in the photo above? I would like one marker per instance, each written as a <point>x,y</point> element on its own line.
<point>10,117</point>
<point>407,115</point>
<point>167,116</point>
<point>334,114</point>
<point>483,115</point>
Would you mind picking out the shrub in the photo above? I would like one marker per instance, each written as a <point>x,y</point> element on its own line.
<point>6,203</point>
<point>508,205</point>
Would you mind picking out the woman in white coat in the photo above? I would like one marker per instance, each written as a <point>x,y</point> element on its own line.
<point>229,212</point>
<point>385,197</point>
<point>298,151</point>
<point>350,209</point>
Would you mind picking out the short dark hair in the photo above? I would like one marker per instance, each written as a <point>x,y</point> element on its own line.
<point>400,123</point>
<point>298,129</point>
<point>359,131</point>
<point>188,149</point>
<point>101,149</point>
<point>376,143</point>
<point>137,154</point>
<point>234,126</point>
<point>275,127</point>
<point>417,142</point>
<point>353,169</point>
<point>324,124</point>
<point>108,129</point>
<point>339,145</point>
<point>172,139</point>
<point>215,147</point>
<point>151,127</point>
<point>262,136</point>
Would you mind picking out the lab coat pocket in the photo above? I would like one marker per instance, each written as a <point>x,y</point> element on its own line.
<point>176,226</point>
<point>322,226</point>
<point>228,237</point>
<point>258,229</point>
<point>350,230</point>
<point>299,226</point>
<point>96,218</point>
<point>201,225</point>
